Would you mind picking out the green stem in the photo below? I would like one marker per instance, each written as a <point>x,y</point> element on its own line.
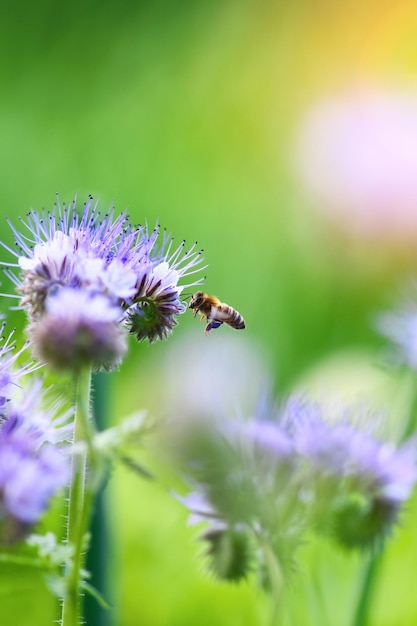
<point>364,604</point>
<point>80,497</point>
<point>276,578</point>
<point>410,404</point>
<point>408,401</point>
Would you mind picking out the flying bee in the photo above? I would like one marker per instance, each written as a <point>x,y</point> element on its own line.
<point>215,312</point>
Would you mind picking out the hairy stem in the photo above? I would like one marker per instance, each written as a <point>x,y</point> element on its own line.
<point>80,497</point>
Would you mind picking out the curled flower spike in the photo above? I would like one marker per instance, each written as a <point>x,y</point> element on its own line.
<point>157,303</point>
<point>157,300</point>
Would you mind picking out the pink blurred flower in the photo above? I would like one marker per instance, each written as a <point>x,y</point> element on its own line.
<point>357,156</point>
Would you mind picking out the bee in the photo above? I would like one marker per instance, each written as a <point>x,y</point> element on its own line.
<point>215,312</point>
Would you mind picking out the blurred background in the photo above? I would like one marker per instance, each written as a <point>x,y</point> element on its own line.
<point>283,137</point>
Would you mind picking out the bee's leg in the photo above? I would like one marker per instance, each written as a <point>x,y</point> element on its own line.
<point>212,325</point>
<point>203,317</point>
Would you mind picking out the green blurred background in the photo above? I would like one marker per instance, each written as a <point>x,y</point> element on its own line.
<point>187,113</point>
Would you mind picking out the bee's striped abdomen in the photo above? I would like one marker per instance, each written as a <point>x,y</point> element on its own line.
<point>233,317</point>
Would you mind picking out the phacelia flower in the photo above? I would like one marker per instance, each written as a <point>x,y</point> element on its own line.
<point>157,303</point>
<point>78,328</point>
<point>33,465</point>
<point>102,258</point>
<point>36,412</point>
<point>30,474</point>
<point>229,547</point>
<point>249,482</point>
<point>294,471</point>
<point>365,481</point>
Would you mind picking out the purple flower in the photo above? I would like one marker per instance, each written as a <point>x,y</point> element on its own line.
<point>99,256</point>
<point>79,328</point>
<point>30,479</point>
<point>33,466</point>
<point>35,412</point>
<point>342,451</point>
<point>201,510</point>
<point>157,301</point>
<point>229,547</point>
<point>246,468</point>
<point>297,470</point>
<point>267,439</point>
<point>356,483</point>
<point>90,252</point>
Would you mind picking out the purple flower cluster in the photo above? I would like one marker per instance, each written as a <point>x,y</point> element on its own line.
<point>85,279</point>
<point>298,471</point>
<point>32,466</point>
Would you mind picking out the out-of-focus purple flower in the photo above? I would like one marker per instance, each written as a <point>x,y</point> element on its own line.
<point>33,465</point>
<point>30,478</point>
<point>267,438</point>
<point>35,412</point>
<point>229,547</point>
<point>298,470</point>
<point>356,156</point>
<point>33,429</point>
<point>341,450</point>
<point>356,483</point>
<point>201,510</point>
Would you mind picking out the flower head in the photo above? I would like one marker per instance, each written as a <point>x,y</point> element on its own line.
<point>32,464</point>
<point>30,473</point>
<point>103,263</point>
<point>79,328</point>
<point>365,480</point>
<point>279,476</point>
<point>91,252</point>
<point>229,547</point>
